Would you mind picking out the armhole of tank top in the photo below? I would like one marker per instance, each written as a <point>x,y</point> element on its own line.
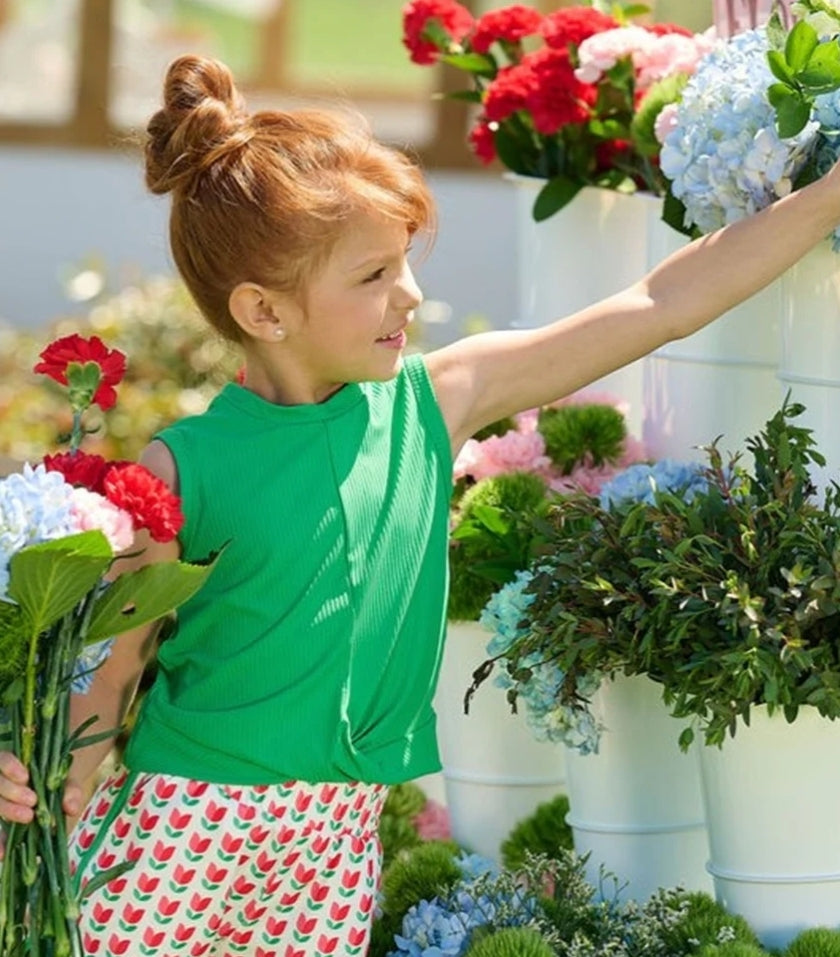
<point>186,489</point>
<point>421,384</point>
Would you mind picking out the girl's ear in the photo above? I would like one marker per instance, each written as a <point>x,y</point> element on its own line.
<point>258,313</point>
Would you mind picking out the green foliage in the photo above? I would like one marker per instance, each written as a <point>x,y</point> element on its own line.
<point>728,600</point>
<point>543,832</point>
<point>707,922</point>
<point>573,433</point>
<point>733,948</point>
<point>511,942</point>
<point>816,942</point>
<point>397,832</point>
<point>495,533</point>
<point>419,873</point>
<point>804,68</point>
<point>663,92</point>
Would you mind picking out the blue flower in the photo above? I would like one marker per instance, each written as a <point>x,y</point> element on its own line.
<point>35,506</point>
<point>640,483</point>
<point>505,613</point>
<point>724,157</point>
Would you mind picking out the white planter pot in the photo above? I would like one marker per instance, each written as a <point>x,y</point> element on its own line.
<point>636,805</point>
<point>771,797</point>
<point>592,248</point>
<point>720,381</point>
<point>810,353</point>
<point>495,772</point>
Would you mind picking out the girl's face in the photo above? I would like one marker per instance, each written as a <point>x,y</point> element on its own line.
<point>355,311</point>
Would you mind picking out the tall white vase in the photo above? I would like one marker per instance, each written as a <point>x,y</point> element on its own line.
<point>771,798</point>
<point>636,806</point>
<point>721,381</point>
<point>495,772</point>
<point>810,354</point>
<point>593,247</point>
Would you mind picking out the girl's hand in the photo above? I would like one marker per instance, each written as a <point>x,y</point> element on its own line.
<point>17,801</point>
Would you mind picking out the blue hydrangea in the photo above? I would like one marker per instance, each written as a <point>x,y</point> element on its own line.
<point>506,616</point>
<point>639,483</point>
<point>724,157</point>
<point>35,506</point>
<point>443,926</point>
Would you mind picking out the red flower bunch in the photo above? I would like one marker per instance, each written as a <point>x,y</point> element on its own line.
<point>90,372</point>
<point>539,112</point>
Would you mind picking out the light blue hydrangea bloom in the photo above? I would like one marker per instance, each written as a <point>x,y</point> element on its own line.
<point>35,506</point>
<point>641,482</point>
<point>505,615</point>
<point>443,926</point>
<point>724,158</point>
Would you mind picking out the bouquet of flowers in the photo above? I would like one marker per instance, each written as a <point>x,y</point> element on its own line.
<point>571,96</point>
<point>63,522</point>
<point>760,117</point>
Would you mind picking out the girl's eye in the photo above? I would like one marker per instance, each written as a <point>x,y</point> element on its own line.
<point>375,275</point>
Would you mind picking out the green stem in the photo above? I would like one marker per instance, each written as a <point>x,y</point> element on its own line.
<point>31,679</point>
<point>77,433</point>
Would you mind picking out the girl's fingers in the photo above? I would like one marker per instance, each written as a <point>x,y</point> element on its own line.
<point>72,802</point>
<point>16,799</point>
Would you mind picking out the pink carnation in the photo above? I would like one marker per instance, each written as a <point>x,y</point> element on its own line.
<point>432,823</point>
<point>666,120</point>
<point>92,511</point>
<point>600,52</point>
<point>512,452</point>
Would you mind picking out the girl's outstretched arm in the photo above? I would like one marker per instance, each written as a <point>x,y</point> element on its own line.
<point>484,377</point>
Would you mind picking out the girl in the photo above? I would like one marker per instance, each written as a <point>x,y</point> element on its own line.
<point>298,684</point>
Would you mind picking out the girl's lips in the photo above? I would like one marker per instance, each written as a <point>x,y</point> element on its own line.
<point>397,340</point>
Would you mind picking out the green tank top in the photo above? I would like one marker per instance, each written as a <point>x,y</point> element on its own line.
<point>312,651</point>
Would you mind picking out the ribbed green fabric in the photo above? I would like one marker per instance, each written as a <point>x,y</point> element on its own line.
<point>312,651</point>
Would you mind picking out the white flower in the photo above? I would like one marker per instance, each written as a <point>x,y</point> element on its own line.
<point>823,15</point>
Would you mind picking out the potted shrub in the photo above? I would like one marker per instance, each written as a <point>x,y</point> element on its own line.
<point>505,482</point>
<point>725,592</point>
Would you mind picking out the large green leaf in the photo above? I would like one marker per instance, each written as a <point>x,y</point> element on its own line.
<point>48,580</point>
<point>556,193</point>
<point>801,43</point>
<point>136,598</point>
<point>14,642</point>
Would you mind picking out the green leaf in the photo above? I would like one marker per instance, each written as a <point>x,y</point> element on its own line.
<point>467,96</point>
<point>801,43</point>
<point>822,74</point>
<point>674,212</point>
<point>792,109</point>
<point>556,194</point>
<point>14,642</point>
<point>476,63</point>
<point>50,579</point>
<point>138,597</point>
<point>779,67</point>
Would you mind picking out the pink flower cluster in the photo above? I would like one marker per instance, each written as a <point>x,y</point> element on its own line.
<point>655,55</point>
<point>523,450</point>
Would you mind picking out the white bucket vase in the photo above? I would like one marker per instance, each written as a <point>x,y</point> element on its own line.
<point>721,381</point>
<point>810,353</point>
<point>636,806</point>
<point>771,798</point>
<point>495,772</point>
<point>592,248</point>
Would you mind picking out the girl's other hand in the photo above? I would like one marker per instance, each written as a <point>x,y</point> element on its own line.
<point>17,800</point>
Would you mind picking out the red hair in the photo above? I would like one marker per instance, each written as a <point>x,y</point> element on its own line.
<point>263,197</point>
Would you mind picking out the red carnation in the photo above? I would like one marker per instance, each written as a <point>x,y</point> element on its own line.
<point>509,91</point>
<point>482,142</point>
<point>79,468</point>
<point>573,25</point>
<point>146,498</point>
<point>64,361</point>
<point>508,25</point>
<point>663,29</point>
<point>422,18</point>
<point>557,97</point>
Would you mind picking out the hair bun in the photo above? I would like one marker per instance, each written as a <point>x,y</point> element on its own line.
<point>203,119</point>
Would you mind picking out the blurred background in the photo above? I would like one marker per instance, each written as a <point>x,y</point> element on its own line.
<point>83,245</point>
